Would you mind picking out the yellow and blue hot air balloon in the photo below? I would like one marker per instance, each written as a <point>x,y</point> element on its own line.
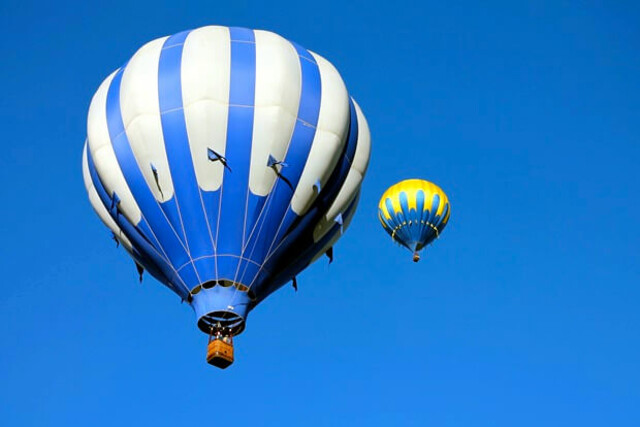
<point>414,212</point>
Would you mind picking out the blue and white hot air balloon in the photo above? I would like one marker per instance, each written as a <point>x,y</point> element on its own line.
<point>225,161</point>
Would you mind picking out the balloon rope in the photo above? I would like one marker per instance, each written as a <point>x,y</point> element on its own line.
<point>263,211</point>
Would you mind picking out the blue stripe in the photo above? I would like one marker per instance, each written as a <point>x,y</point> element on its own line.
<point>405,231</point>
<point>185,184</point>
<point>149,255</point>
<point>286,265</point>
<point>420,203</point>
<point>254,210</point>
<point>211,200</point>
<point>337,178</point>
<point>385,223</point>
<point>393,220</point>
<point>352,141</point>
<point>256,204</point>
<point>277,215</point>
<point>235,184</point>
<point>425,229</point>
<point>435,204</point>
<point>333,185</point>
<point>441,223</point>
<point>299,226</point>
<point>135,180</point>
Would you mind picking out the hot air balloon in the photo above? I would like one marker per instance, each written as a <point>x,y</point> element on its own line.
<point>414,212</point>
<point>225,161</point>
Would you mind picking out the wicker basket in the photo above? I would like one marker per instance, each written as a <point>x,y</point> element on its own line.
<point>220,353</point>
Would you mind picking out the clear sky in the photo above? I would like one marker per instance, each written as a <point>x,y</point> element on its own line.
<point>525,312</point>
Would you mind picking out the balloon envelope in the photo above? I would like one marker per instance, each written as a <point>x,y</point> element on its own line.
<point>414,212</point>
<point>225,160</point>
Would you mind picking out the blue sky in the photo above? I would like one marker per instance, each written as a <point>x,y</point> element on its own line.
<point>525,313</point>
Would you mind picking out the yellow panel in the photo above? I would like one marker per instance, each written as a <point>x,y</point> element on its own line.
<point>411,188</point>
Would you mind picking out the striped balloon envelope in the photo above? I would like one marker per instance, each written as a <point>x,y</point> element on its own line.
<point>414,212</point>
<point>225,161</point>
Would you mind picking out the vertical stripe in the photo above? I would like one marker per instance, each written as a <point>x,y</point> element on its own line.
<point>140,114</point>
<point>332,127</point>
<point>205,96</point>
<point>278,83</point>
<point>187,192</point>
<point>301,233</point>
<point>278,215</point>
<point>348,180</point>
<point>97,205</point>
<point>277,99</point>
<point>235,184</point>
<point>140,109</point>
<point>150,208</point>
<point>99,144</point>
<point>142,245</point>
<point>288,264</point>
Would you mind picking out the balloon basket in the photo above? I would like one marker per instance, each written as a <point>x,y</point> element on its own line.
<point>220,353</point>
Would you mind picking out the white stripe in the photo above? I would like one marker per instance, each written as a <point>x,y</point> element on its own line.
<point>104,157</point>
<point>97,205</point>
<point>140,108</point>
<point>206,69</point>
<point>352,182</point>
<point>334,239</point>
<point>277,99</point>
<point>363,150</point>
<point>331,133</point>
